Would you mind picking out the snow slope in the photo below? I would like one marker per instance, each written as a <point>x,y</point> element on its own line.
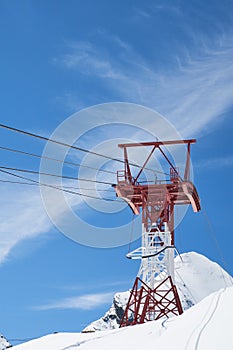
<point>196,277</point>
<point>207,325</point>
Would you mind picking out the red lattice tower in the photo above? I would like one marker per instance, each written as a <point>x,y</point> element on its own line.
<point>154,294</point>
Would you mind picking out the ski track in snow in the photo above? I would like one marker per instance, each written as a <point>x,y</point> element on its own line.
<point>198,330</point>
<point>74,346</point>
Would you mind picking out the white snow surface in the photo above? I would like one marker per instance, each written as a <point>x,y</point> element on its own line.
<point>206,325</point>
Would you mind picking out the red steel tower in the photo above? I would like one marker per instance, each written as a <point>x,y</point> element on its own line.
<point>154,294</point>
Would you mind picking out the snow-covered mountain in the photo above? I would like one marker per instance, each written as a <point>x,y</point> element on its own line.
<point>4,344</point>
<point>112,317</point>
<point>196,277</point>
<point>202,284</point>
<point>207,325</point>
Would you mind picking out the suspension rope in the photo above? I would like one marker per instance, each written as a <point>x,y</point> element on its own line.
<point>74,147</point>
<point>131,233</point>
<point>213,236</point>
<point>58,188</point>
<point>53,175</point>
<point>69,187</point>
<point>54,159</point>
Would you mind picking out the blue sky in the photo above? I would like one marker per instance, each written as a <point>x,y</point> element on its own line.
<point>59,57</point>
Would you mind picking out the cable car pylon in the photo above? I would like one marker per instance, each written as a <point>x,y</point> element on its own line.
<point>154,294</point>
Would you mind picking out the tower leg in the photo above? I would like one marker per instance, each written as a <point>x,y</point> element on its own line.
<point>146,304</point>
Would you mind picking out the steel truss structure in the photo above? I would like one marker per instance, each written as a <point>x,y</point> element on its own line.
<point>154,294</point>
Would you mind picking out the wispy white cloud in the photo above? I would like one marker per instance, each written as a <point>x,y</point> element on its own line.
<point>193,95</point>
<point>154,8</point>
<point>87,56</point>
<point>101,286</point>
<point>82,302</point>
<point>220,162</point>
<point>22,217</point>
<point>142,12</point>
